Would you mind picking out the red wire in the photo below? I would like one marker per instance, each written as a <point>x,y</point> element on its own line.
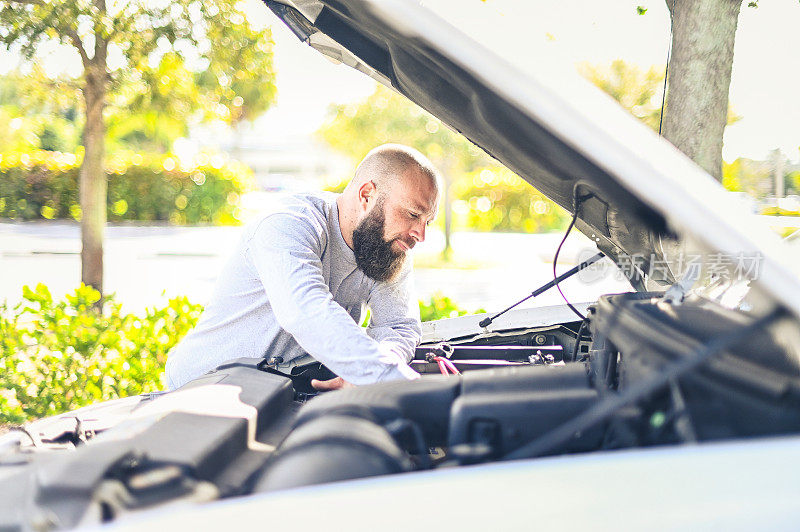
<point>446,367</point>
<point>452,367</point>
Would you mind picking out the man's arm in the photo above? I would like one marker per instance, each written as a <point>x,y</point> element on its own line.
<point>394,320</point>
<point>285,250</point>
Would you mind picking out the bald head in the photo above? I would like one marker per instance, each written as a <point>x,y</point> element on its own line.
<point>389,164</point>
<point>387,205</point>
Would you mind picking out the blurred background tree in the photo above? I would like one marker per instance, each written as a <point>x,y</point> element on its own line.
<point>697,110</point>
<point>496,199</point>
<point>700,64</point>
<point>640,92</point>
<point>147,68</point>
<point>637,90</point>
<point>39,112</point>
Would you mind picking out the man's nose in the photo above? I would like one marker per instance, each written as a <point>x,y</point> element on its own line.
<point>418,232</point>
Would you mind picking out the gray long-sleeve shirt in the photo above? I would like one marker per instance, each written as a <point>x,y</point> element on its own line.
<point>292,288</point>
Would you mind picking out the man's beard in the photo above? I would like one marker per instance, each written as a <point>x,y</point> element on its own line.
<point>374,255</point>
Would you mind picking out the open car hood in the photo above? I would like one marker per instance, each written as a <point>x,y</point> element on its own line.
<point>638,196</point>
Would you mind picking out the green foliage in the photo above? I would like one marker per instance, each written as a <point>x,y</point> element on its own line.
<point>636,90</point>
<point>731,176</point>
<point>151,108</point>
<point>56,356</point>
<point>39,112</point>
<point>793,178</point>
<point>439,306</point>
<point>163,64</point>
<point>237,85</point>
<point>154,188</point>
<point>777,211</point>
<point>385,116</point>
<point>495,199</point>
<point>752,177</point>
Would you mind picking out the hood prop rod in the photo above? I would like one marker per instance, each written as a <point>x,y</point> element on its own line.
<point>545,287</point>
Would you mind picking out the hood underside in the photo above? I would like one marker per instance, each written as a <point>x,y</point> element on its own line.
<point>636,195</point>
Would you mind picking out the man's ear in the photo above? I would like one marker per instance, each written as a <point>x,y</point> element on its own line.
<point>367,195</point>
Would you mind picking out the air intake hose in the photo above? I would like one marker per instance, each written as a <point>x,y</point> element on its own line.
<point>333,448</point>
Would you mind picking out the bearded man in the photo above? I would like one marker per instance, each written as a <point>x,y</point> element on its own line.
<point>303,274</point>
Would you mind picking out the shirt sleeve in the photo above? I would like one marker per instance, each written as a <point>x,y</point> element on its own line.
<point>285,251</point>
<point>394,320</point>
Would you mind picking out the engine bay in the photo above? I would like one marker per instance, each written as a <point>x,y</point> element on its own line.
<point>612,382</point>
<point>556,344</point>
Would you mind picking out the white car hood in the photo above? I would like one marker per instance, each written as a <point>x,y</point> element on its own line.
<point>721,486</point>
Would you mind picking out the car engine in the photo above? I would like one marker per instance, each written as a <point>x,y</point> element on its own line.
<point>607,383</point>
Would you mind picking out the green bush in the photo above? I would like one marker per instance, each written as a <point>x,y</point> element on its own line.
<point>439,306</point>
<point>44,184</point>
<point>56,356</point>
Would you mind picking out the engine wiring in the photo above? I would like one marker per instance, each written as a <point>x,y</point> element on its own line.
<point>576,349</point>
<point>445,366</point>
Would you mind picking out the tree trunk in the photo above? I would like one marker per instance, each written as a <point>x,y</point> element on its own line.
<point>448,218</point>
<point>696,110</point>
<point>93,181</point>
<point>447,168</point>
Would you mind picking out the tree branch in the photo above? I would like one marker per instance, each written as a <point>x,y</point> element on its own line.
<point>100,41</point>
<point>76,41</point>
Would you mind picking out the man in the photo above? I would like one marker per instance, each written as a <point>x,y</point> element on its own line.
<point>298,281</point>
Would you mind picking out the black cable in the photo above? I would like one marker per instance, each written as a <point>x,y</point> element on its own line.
<point>606,408</point>
<point>575,204</point>
<point>578,341</point>
<point>666,71</point>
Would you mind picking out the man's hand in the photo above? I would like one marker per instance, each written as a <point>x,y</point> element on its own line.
<point>332,384</point>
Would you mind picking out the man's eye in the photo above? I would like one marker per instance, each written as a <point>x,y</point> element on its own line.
<point>413,215</point>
